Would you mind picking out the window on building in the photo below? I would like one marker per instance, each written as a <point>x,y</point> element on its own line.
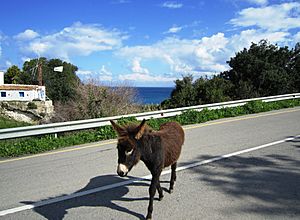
<point>3,94</point>
<point>21,94</point>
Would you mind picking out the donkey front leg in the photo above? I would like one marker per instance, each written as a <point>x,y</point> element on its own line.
<point>152,189</point>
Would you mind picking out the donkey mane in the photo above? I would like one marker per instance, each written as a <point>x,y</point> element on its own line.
<point>131,129</point>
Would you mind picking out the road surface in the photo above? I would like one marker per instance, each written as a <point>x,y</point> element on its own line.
<point>236,168</point>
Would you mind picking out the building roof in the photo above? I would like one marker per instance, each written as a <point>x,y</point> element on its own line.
<point>19,87</point>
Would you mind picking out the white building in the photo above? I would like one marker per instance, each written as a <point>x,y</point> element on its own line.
<point>16,92</point>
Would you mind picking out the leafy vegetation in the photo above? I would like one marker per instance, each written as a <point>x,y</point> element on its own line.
<point>32,105</point>
<point>95,101</point>
<point>262,70</point>
<point>61,86</point>
<point>73,99</point>
<point>13,148</point>
<point>10,123</point>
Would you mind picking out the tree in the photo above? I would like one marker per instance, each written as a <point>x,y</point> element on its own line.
<point>261,70</point>
<point>29,74</point>
<point>295,68</point>
<point>212,90</point>
<point>184,93</point>
<point>12,75</point>
<point>60,86</point>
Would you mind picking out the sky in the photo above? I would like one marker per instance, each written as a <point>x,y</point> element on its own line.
<point>142,42</point>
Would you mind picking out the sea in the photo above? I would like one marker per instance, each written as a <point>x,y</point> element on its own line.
<point>153,95</point>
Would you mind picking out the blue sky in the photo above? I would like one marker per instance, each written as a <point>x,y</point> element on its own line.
<point>142,42</point>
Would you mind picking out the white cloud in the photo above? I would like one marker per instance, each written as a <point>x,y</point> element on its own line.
<point>121,2</point>
<point>211,53</point>
<point>84,72</point>
<point>26,35</point>
<point>41,48</point>
<point>160,49</point>
<point>136,67</point>
<point>105,78</point>
<point>204,56</point>
<point>245,38</point>
<point>184,56</point>
<point>215,43</point>
<point>273,18</point>
<point>78,39</point>
<point>104,71</point>
<point>297,37</point>
<point>140,77</point>
<point>140,74</point>
<point>103,74</point>
<point>258,2</point>
<point>177,56</point>
<point>172,5</point>
<point>174,29</point>
<point>8,63</point>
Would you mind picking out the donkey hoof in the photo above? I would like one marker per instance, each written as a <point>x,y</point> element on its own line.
<point>148,218</point>
<point>171,191</point>
<point>160,197</point>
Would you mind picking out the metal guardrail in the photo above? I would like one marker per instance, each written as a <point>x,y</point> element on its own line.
<point>55,128</point>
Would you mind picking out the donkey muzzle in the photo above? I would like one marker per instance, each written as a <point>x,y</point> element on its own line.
<point>122,170</point>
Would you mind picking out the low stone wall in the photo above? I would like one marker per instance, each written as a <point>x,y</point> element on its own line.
<point>32,112</point>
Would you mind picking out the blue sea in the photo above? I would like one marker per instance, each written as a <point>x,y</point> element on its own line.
<point>153,95</point>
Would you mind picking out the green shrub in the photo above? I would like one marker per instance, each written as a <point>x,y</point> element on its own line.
<point>32,105</point>
<point>156,123</point>
<point>33,145</point>
<point>255,107</point>
<point>10,123</point>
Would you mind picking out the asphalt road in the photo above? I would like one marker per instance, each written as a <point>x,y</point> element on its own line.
<point>260,180</point>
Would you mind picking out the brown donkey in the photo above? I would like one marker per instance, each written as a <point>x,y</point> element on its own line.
<point>157,149</point>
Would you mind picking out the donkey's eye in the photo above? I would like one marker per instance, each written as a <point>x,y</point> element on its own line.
<point>127,153</point>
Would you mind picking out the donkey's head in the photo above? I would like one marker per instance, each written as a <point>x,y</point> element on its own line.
<point>128,152</point>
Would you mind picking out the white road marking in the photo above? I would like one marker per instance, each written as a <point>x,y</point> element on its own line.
<point>136,180</point>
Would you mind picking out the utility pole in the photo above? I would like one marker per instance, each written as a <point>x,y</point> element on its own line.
<point>40,74</point>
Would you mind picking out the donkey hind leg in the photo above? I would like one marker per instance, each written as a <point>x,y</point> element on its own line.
<point>173,176</point>
<point>160,191</point>
<point>152,189</point>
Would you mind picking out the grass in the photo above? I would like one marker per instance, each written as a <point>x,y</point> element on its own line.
<point>10,123</point>
<point>33,145</point>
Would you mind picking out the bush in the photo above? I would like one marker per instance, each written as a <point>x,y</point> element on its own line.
<point>18,147</point>
<point>6,122</point>
<point>32,105</point>
<point>95,101</point>
<point>262,70</point>
<point>254,107</point>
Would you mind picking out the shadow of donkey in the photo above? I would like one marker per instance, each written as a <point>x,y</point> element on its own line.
<point>58,210</point>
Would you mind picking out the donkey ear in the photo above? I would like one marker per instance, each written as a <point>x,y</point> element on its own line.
<point>117,128</point>
<point>140,130</point>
